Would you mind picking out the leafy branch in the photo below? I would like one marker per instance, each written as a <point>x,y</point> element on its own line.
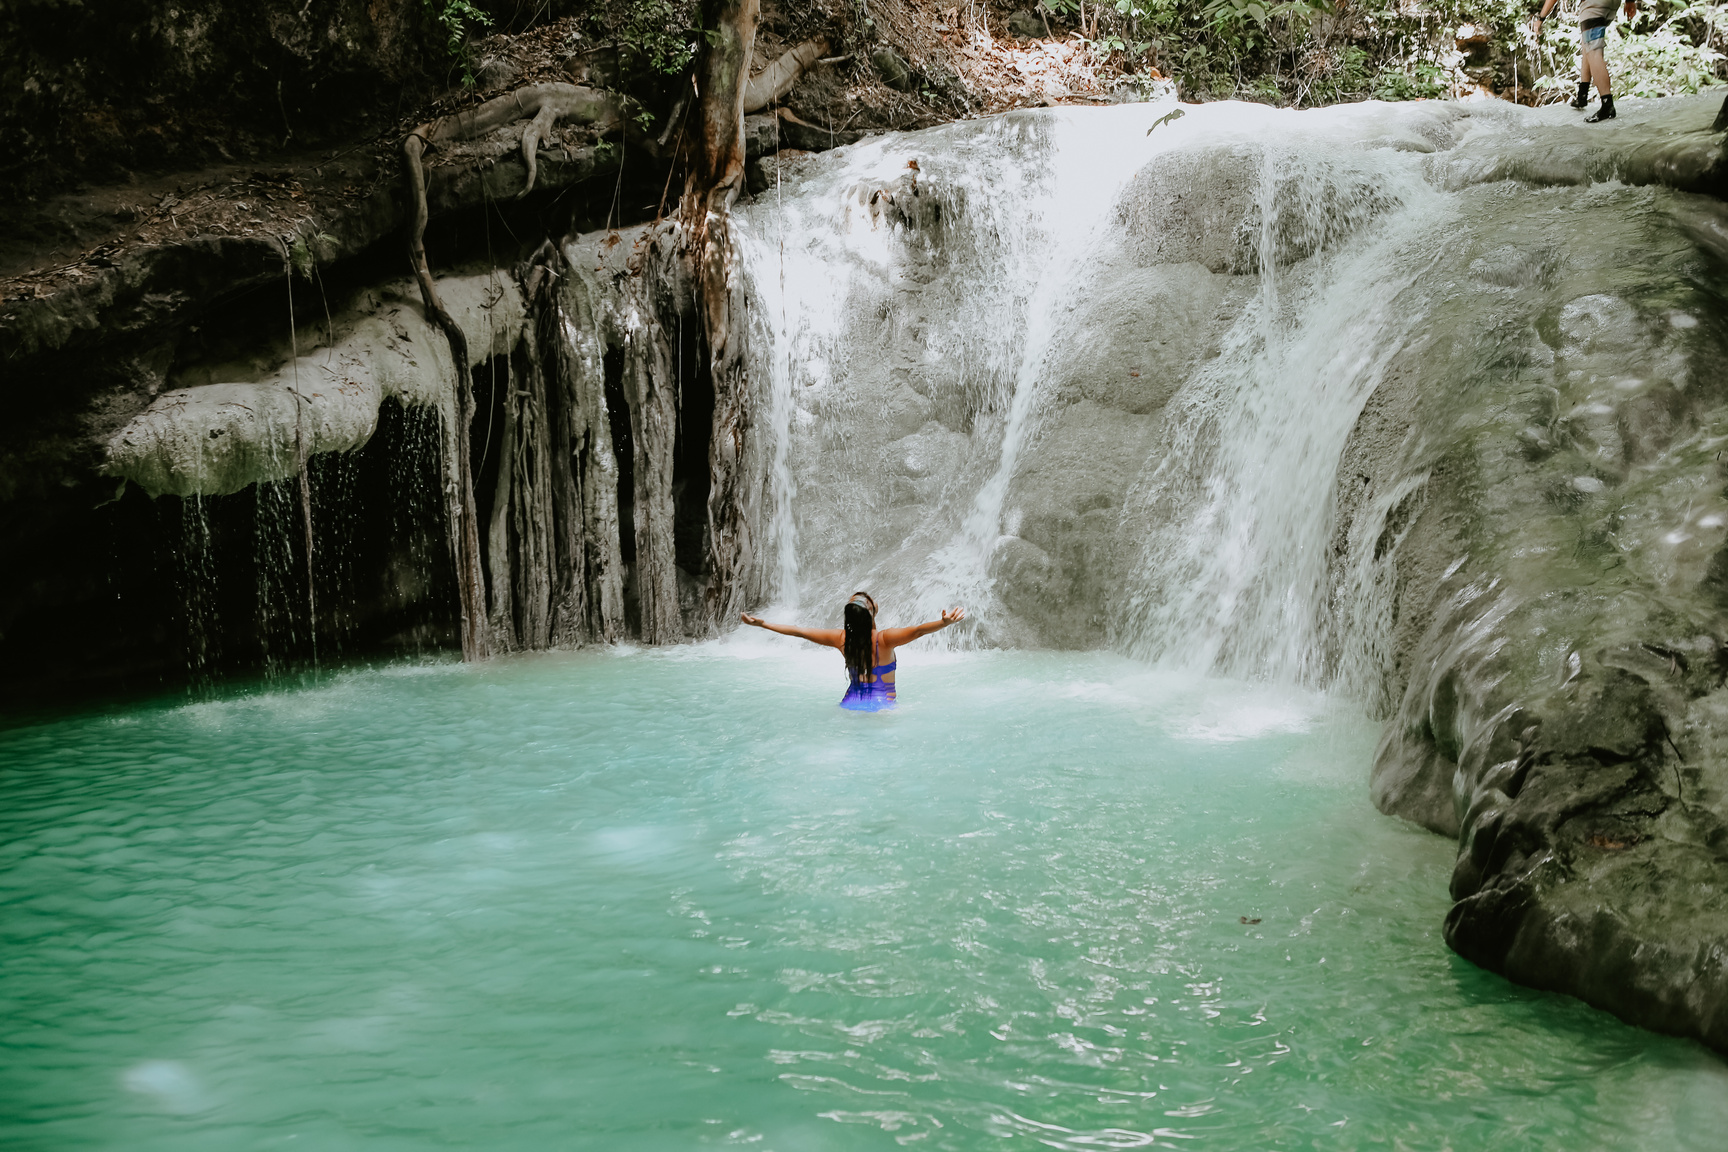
<point>455,17</point>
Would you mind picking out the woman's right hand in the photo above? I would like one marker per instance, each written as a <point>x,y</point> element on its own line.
<point>755,621</point>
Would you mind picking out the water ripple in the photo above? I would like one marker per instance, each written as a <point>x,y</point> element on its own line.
<point>647,900</point>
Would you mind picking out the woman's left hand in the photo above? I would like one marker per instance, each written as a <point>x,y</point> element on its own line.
<point>953,616</point>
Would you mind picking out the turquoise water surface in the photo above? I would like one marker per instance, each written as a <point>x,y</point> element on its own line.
<point>676,899</point>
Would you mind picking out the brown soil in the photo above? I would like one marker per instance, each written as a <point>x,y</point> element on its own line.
<point>1006,71</point>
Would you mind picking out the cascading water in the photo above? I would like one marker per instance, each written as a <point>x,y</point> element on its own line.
<point>1092,373</point>
<point>911,293</point>
<point>924,308</point>
<point>1234,510</point>
<point>195,577</point>
<point>1089,372</point>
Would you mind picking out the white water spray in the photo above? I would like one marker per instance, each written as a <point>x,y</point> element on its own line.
<point>908,291</point>
<point>1235,509</point>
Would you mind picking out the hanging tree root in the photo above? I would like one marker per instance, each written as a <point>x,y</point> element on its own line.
<point>545,104</point>
<point>713,179</point>
<point>714,171</point>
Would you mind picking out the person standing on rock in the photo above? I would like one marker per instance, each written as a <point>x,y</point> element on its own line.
<point>1594,16</point>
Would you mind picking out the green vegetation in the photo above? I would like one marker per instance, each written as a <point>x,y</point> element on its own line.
<point>1324,51</point>
<point>660,35</point>
<point>455,18</point>
<point>1683,52</point>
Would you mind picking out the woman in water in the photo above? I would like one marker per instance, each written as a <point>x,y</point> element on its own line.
<point>869,654</point>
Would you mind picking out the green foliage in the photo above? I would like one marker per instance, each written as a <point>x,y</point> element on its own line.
<point>1665,61</point>
<point>1346,74</point>
<point>1422,81</point>
<point>1227,14</point>
<point>1326,51</point>
<point>300,256</point>
<point>660,34</point>
<point>455,17</point>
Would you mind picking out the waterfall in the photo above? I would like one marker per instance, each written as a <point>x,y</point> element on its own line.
<point>935,318</point>
<point>1099,375</point>
<point>1090,162</point>
<point>1234,510</point>
<point>915,283</point>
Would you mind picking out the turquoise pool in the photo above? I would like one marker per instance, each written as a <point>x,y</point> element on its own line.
<point>677,899</point>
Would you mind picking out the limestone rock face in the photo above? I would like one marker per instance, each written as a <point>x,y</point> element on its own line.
<point>1561,680</point>
<point>219,437</point>
<point>1066,505</point>
<point>1139,333</point>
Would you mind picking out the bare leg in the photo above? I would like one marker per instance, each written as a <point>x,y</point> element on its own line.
<point>1597,62</point>
<point>1596,66</point>
<point>1582,98</point>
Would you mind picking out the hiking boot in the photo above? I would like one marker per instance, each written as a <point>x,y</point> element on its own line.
<point>1582,99</point>
<point>1606,112</point>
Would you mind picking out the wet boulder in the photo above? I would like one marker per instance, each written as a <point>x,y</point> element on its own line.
<point>1559,692</point>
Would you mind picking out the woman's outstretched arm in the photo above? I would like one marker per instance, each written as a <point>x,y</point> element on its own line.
<point>827,637</point>
<point>894,637</point>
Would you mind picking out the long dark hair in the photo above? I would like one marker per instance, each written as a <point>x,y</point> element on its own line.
<point>860,624</point>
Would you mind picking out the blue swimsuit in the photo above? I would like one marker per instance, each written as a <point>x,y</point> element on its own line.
<point>873,695</point>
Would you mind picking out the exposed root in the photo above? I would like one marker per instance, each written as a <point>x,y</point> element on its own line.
<point>774,81</point>
<point>464,519</point>
<point>712,182</point>
<point>546,104</point>
<point>569,102</point>
<point>531,137</point>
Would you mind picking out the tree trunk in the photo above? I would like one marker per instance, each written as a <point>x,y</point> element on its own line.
<point>713,179</point>
<point>777,79</point>
<point>464,518</point>
<point>545,103</point>
<point>533,505</point>
<point>568,430</point>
